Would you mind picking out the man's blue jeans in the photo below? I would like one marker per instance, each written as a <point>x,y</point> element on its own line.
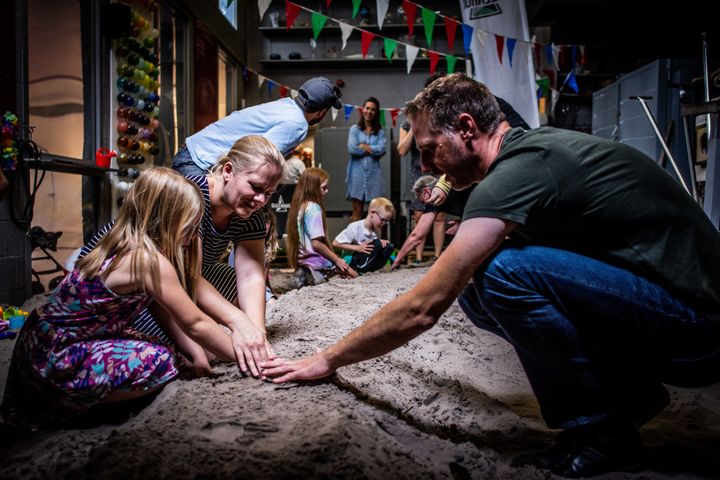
<point>596,341</point>
<point>183,163</point>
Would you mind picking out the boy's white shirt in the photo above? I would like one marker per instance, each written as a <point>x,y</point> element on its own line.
<point>356,233</point>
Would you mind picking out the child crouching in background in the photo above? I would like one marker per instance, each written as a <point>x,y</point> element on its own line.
<point>370,253</point>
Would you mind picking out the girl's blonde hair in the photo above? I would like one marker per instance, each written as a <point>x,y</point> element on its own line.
<point>160,212</point>
<point>271,235</point>
<point>308,189</point>
<point>250,153</point>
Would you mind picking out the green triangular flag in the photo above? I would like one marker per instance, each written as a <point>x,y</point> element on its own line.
<point>356,7</point>
<point>382,117</point>
<point>544,84</point>
<point>451,59</point>
<point>428,17</point>
<point>390,46</point>
<point>318,22</point>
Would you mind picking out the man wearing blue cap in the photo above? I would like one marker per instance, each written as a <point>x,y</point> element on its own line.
<point>284,122</point>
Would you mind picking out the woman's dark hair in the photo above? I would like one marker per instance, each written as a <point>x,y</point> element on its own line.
<point>375,123</point>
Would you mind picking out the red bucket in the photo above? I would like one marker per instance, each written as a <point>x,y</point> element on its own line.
<point>103,156</point>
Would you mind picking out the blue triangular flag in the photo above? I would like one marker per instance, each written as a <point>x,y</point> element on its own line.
<point>348,109</point>
<point>510,42</point>
<point>467,37</point>
<point>270,84</point>
<point>549,54</point>
<point>571,82</point>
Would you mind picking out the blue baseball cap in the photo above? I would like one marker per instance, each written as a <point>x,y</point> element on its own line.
<point>318,93</point>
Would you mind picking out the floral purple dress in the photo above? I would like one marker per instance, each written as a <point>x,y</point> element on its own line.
<point>76,349</point>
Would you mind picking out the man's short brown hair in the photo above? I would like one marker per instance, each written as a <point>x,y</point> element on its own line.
<point>451,95</point>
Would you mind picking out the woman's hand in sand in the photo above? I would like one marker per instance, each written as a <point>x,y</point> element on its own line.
<point>250,345</point>
<point>308,368</point>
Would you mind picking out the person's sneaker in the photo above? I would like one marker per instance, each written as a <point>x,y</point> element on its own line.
<point>566,447</point>
<point>417,262</point>
<point>591,461</point>
<point>604,449</point>
<point>581,453</point>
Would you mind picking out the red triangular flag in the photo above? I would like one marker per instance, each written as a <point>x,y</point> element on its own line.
<point>450,27</point>
<point>367,38</point>
<point>410,13</point>
<point>327,3</point>
<point>359,109</point>
<point>393,114</point>
<point>291,12</point>
<point>500,44</point>
<point>538,51</point>
<point>434,58</point>
<point>284,91</point>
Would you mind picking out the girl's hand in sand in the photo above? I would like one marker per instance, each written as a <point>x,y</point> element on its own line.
<point>250,345</point>
<point>308,368</point>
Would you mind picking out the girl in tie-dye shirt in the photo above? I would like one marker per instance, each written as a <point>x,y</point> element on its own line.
<point>308,248</point>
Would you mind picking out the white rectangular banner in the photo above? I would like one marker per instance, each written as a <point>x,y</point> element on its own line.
<point>513,81</point>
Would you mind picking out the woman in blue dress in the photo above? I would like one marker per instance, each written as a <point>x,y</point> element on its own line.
<point>366,145</point>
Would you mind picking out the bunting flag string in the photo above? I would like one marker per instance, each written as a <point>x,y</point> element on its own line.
<point>319,21</point>
<point>429,18</point>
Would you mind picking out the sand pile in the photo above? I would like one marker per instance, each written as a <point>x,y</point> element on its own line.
<point>453,403</point>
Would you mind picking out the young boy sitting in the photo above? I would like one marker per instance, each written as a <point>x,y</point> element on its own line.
<point>362,237</point>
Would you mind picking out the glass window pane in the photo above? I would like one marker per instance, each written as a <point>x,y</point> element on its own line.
<point>55,84</point>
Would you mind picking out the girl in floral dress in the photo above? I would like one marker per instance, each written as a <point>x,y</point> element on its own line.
<point>76,351</point>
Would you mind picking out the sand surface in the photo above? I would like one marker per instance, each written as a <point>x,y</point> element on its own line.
<point>453,403</point>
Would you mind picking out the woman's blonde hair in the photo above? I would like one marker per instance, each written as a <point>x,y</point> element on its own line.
<point>250,153</point>
<point>160,212</point>
<point>308,189</point>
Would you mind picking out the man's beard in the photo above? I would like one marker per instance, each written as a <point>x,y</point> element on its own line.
<point>461,167</point>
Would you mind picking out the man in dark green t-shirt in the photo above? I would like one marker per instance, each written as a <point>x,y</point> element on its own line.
<point>585,255</point>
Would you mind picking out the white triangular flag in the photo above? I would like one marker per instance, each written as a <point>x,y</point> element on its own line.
<point>468,67</point>
<point>480,36</point>
<point>293,93</point>
<point>556,56</point>
<point>261,80</point>
<point>382,8</point>
<point>334,113</point>
<point>262,7</point>
<point>410,53</point>
<point>345,31</point>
